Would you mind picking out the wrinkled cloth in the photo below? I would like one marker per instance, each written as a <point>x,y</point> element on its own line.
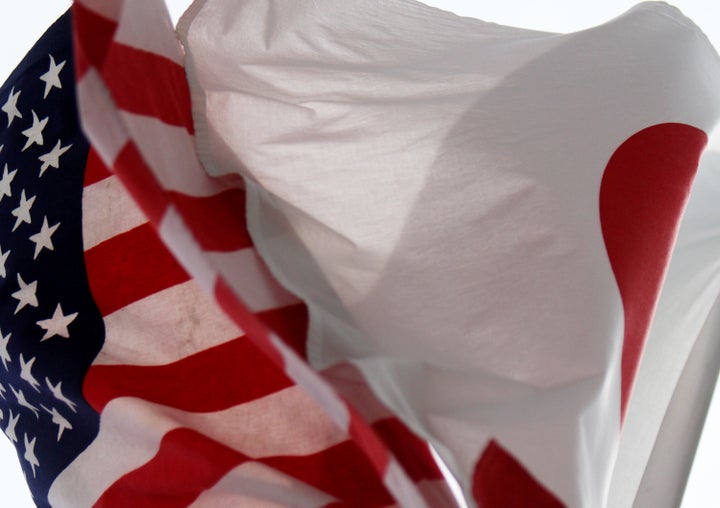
<point>429,185</point>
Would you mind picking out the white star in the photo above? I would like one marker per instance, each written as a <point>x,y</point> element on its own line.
<point>22,212</point>
<point>4,355</point>
<point>10,106</point>
<point>3,260</point>
<point>22,401</point>
<point>57,324</point>
<point>2,393</point>
<point>43,239</point>
<point>26,295</point>
<point>58,394</point>
<point>52,158</point>
<point>30,453</point>
<point>52,76</point>
<point>58,420</point>
<point>7,179</point>
<point>34,132</point>
<point>10,429</point>
<point>26,372</point>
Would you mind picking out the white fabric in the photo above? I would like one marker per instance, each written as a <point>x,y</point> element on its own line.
<point>428,185</point>
<point>680,363</point>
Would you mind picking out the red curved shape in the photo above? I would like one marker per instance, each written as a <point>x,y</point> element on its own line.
<point>643,193</point>
<point>188,463</point>
<point>500,481</point>
<point>210,380</point>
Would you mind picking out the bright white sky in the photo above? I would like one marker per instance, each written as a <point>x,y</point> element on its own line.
<point>23,22</point>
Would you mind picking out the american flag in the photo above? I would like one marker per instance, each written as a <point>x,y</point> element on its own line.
<point>149,358</point>
<point>123,382</point>
<point>51,327</point>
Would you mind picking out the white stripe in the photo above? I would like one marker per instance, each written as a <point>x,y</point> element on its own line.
<point>160,39</point>
<point>317,388</point>
<point>170,152</point>
<point>259,486</point>
<point>176,236</point>
<point>116,439</point>
<point>250,279</point>
<point>402,488</point>
<point>99,118</point>
<point>283,423</point>
<point>108,210</point>
<point>137,334</point>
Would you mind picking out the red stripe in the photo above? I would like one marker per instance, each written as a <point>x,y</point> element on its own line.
<point>500,481</point>
<point>254,329</point>
<point>211,380</point>
<point>186,464</point>
<point>409,450</point>
<point>92,34</point>
<point>411,453</point>
<point>290,324</point>
<point>140,182</point>
<point>341,470</point>
<point>130,266</point>
<point>368,441</point>
<point>148,84</point>
<point>642,197</point>
<point>217,222</point>
<point>95,169</point>
<point>344,469</point>
<point>362,435</point>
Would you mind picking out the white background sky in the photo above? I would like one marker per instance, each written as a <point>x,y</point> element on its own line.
<point>23,22</point>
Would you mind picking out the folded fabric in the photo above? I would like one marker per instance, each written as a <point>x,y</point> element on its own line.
<point>478,217</point>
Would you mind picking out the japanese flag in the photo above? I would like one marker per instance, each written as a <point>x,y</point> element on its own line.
<point>479,218</point>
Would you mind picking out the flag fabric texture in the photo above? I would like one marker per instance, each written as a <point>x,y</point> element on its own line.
<point>478,217</point>
<point>123,382</point>
<point>680,363</point>
<point>407,227</point>
<point>312,449</point>
<point>50,325</point>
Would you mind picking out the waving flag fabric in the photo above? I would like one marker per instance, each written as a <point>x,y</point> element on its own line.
<point>466,227</point>
<point>123,382</point>
<point>273,431</point>
<point>51,329</point>
<point>478,217</point>
<point>680,363</point>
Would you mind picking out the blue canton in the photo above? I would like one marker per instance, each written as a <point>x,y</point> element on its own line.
<point>50,328</point>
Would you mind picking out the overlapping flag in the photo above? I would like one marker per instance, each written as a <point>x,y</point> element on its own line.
<point>315,238</point>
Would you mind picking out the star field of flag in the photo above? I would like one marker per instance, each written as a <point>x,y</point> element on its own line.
<point>50,328</point>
